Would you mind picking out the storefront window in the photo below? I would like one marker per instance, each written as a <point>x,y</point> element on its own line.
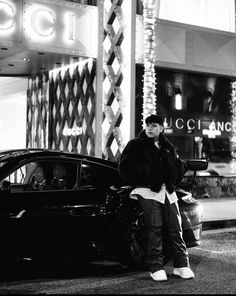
<point>200,124</point>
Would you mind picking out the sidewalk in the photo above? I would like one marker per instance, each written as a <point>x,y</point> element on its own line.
<point>218,212</point>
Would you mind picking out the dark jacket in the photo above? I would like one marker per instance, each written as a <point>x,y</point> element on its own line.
<point>142,164</point>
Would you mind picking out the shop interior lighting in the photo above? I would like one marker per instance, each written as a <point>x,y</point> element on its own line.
<point>212,132</point>
<point>178,99</point>
<point>7,13</point>
<point>178,102</point>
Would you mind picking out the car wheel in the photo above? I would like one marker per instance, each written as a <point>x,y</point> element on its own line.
<point>133,243</point>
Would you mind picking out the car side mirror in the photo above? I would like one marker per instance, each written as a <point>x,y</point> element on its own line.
<point>197,164</point>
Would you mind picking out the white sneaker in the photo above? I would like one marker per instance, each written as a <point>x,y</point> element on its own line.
<point>159,275</point>
<point>184,272</point>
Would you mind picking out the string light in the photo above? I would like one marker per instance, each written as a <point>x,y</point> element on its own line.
<point>149,79</point>
<point>233,119</point>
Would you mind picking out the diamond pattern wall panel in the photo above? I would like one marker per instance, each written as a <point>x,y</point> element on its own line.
<point>37,112</point>
<point>72,109</point>
<point>113,77</point>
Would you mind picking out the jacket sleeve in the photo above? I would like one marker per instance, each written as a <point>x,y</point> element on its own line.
<point>131,167</point>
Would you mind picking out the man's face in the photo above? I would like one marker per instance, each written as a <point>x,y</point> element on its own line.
<point>153,130</point>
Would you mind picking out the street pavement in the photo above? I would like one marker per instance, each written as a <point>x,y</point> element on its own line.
<point>213,263</point>
<point>216,210</point>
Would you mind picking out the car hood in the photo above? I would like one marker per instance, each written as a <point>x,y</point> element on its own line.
<point>222,168</point>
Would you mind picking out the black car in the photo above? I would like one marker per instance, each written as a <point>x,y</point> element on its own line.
<point>55,203</point>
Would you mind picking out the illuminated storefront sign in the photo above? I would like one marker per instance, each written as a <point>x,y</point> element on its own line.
<point>70,26</point>
<point>40,23</point>
<point>11,16</point>
<point>65,27</point>
<point>61,27</point>
<point>210,128</point>
<point>7,13</point>
<point>75,131</point>
<point>43,22</point>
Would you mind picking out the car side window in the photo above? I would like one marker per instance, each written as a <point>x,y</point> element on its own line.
<point>63,175</point>
<point>98,176</point>
<point>30,176</point>
<point>17,177</point>
<point>35,177</point>
<point>44,175</point>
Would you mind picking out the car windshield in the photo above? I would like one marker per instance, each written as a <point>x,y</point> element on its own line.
<point>5,156</point>
<point>8,155</point>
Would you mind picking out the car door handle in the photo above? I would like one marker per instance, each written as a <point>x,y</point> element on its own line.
<point>18,215</point>
<point>86,210</point>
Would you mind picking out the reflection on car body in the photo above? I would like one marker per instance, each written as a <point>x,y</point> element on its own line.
<point>55,203</point>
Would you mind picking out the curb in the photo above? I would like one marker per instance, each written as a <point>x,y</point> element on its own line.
<point>219,230</point>
<point>219,224</point>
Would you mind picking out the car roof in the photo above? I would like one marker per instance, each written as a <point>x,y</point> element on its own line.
<point>14,154</point>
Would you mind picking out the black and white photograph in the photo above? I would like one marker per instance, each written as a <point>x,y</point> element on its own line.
<point>117,147</point>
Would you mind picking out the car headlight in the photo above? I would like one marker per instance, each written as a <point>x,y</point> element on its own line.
<point>195,213</point>
<point>199,210</point>
<point>188,198</point>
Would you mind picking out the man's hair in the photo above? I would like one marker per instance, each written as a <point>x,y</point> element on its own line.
<point>154,119</point>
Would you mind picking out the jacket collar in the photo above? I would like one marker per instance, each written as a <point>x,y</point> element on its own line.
<point>163,141</point>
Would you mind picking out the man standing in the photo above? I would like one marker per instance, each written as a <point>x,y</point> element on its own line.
<point>151,164</point>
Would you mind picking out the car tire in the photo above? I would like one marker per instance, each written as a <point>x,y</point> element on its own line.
<point>132,243</point>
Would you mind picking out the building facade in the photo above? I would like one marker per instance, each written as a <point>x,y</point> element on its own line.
<point>84,61</point>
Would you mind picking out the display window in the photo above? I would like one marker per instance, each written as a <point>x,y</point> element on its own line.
<point>196,108</point>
